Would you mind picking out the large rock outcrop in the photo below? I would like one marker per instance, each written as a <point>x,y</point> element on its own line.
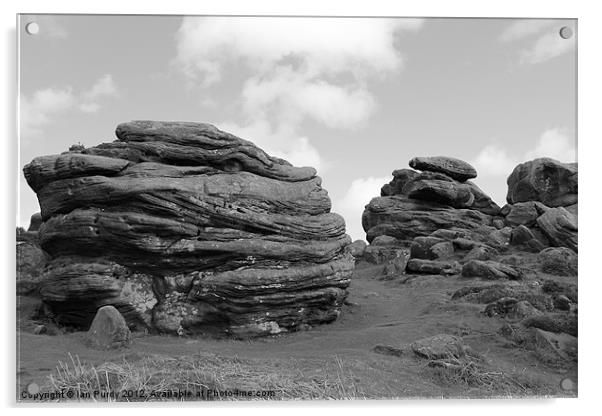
<point>186,228</point>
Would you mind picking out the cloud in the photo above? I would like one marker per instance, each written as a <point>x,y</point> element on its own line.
<point>546,47</point>
<point>525,27</point>
<point>37,109</point>
<point>494,159</point>
<point>352,205</point>
<point>296,69</point>
<point>49,26</point>
<point>548,43</point>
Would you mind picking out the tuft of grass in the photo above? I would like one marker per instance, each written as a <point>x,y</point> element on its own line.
<point>472,374</point>
<point>207,377</point>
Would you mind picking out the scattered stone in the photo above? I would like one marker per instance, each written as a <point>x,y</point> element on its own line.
<point>388,350</point>
<point>563,303</point>
<point>525,238</point>
<point>109,330</point>
<point>397,266</point>
<point>560,226</point>
<point>554,322</point>
<point>498,223</point>
<point>564,345</point>
<point>545,180</point>
<point>454,168</point>
<point>40,329</point>
<point>433,267</point>
<point>480,252</point>
<point>431,248</point>
<point>438,347</point>
<point>357,248</point>
<point>490,270</point>
<point>385,241</point>
<point>560,288</point>
<point>382,254</point>
<point>525,213</point>
<point>559,261</point>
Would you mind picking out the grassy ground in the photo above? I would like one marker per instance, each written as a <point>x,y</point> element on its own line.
<point>333,361</point>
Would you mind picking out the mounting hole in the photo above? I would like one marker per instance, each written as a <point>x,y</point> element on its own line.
<point>32,28</point>
<point>566,32</point>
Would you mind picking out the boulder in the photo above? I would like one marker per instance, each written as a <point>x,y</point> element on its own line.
<point>400,178</point>
<point>382,254</point>
<point>480,252</point>
<point>553,322</point>
<point>397,265</point>
<point>431,248</point>
<point>385,241</point>
<point>357,248</point>
<point>439,188</point>
<point>525,213</point>
<point>490,270</point>
<point>454,168</point>
<point>560,227</point>
<point>183,227</point>
<point>527,240</point>
<point>433,267</point>
<point>559,261</point>
<point>108,330</point>
<point>442,346</point>
<point>545,180</point>
<point>35,222</point>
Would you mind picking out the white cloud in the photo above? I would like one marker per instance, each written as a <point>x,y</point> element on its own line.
<point>494,159</point>
<point>522,28</point>
<point>38,109</point>
<point>352,205</point>
<point>49,26</point>
<point>35,111</point>
<point>556,144</point>
<point>546,47</point>
<point>296,69</point>
<point>548,43</point>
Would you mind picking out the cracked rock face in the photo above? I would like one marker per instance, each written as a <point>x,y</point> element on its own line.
<point>185,228</point>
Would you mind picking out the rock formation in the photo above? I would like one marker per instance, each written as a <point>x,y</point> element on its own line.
<point>188,229</point>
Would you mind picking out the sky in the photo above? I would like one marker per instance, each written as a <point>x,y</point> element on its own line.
<point>354,97</point>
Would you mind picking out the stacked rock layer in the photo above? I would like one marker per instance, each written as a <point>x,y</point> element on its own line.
<point>442,223</point>
<point>186,228</point>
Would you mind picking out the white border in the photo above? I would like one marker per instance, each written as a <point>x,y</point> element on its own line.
<point>590,23</point>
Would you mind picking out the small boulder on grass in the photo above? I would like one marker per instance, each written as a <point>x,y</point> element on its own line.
<point>108,330</point>
<point>437,347</point>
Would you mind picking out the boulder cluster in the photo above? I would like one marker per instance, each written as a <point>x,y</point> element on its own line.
<point>439,222</point>
<point>188,229</point>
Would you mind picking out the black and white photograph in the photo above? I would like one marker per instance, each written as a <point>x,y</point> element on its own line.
<point>280,208</point>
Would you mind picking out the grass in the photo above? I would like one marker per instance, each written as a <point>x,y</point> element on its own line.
<point>473,374</point>
<point>206,377</point>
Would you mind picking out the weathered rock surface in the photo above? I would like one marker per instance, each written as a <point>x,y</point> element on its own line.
<point>35,222</point>
<point>454,168</point>
<point>490,270</point>
<point>357,248</point>
<point>183,227</point>
<point>434,267</point>
<point>546,180</point>
<point>560,226</point>
<point>440,346</point>
<point>108,330</point>
<point>559,261</point>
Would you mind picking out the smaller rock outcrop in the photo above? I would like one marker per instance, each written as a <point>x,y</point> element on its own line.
<point>545,180</point>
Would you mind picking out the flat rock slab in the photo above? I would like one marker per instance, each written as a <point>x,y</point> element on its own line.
<point>433,267</point>
<point>437,347</point>
<point>454,168</point>
<point>109,330</point>
<point>490,270</point>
